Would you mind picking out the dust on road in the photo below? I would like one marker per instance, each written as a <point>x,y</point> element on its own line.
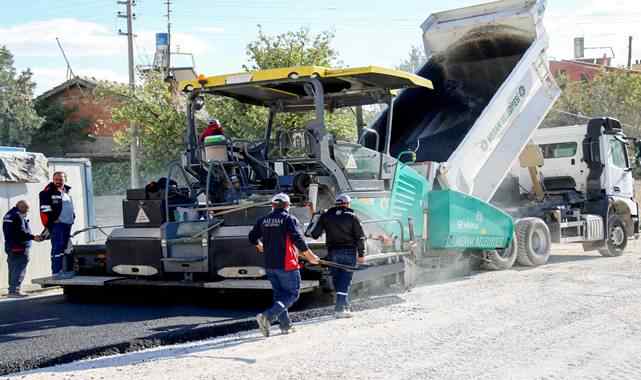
<point>576,317</point>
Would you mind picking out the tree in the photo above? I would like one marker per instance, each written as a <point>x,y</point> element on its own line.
<point>18,119</point>
<point>159,116</point>
<point>414,61</point>
<point>60,129</point>
<point>298,48</point>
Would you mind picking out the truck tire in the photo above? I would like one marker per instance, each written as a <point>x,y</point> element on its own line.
<point>534,241</point>
<point>501,259</point>
<point>617,239</point>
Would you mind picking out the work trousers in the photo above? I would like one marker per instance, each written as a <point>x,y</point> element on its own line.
<point>285,290</point>
<point>342,279</point>
<point>17,263</point>
<point>60,234</point>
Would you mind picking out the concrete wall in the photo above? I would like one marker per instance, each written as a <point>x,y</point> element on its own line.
<point>10,193</point>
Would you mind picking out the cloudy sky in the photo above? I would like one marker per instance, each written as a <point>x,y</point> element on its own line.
<point>216,32</point>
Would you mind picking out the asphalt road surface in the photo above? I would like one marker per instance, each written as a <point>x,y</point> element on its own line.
<point>47,330</point>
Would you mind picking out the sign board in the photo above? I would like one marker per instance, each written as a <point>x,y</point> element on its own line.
<point>162,39</point>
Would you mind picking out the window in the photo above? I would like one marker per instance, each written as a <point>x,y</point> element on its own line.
<point>617,152</point>
<point>559,150</point>
<point>357,161</point>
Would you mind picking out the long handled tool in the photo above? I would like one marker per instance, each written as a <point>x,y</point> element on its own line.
<point>331,264</point>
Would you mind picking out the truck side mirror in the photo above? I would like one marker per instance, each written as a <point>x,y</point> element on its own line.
<point>637,157</point>
<point>366,131</point>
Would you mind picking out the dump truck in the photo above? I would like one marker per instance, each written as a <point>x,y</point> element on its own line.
<point>421,176</point>
<point>574,184</point>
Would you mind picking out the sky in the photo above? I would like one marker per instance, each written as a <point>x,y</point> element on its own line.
<point>368,32</point>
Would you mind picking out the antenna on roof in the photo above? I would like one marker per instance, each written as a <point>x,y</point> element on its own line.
<point>70,73</point>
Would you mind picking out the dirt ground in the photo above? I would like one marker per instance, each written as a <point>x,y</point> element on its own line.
<point>574,318</point>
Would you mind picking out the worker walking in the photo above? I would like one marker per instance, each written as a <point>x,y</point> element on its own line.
<point>278,236</point>
<point>17,242</point>
<point>345,241</point>
<point>57,215</point>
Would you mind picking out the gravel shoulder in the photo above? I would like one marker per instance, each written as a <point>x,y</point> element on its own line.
<point>574,318</point>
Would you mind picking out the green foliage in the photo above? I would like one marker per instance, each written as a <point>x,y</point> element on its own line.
<point>299,48</point>
<point>414,61</point>
<point>615,94</point>
<point>161,120</point>
<point>60,130</point>
<point>110,178</point>
<point>18,119</point>
<point>158,115</point>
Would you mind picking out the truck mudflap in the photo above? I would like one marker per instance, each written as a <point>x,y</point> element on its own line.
<point>459,221</point>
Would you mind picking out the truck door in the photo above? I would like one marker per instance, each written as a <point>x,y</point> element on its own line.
<point>618,176</point>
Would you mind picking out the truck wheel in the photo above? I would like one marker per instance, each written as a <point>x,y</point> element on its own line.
<point>501,259</point>
<point>617,239</point>
<point>534,242</point>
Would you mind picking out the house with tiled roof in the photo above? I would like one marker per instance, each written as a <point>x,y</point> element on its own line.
<point>78,93</point>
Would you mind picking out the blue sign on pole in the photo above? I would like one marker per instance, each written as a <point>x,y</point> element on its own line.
<point>162,39</point>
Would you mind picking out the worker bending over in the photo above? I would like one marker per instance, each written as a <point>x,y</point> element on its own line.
<point>282,239</point>
<point>345,241</point>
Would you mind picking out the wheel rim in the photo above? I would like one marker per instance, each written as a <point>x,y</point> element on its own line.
<point>617,237</point>
<point>539,242</point>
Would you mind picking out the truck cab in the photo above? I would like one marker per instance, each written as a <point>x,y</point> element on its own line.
<point>585,185</point>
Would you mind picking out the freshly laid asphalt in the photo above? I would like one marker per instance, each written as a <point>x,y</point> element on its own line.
<point>50,330</point>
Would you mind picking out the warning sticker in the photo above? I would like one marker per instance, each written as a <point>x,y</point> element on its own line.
<point>142,217</point>
<point>351,163</point>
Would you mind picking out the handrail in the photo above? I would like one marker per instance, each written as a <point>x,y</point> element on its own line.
<point>168,179</point>
<point>400,223</point>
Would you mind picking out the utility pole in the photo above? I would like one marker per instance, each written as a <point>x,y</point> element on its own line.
<point>168,15</point>
<point>630,53</point>
<point>129,4</point>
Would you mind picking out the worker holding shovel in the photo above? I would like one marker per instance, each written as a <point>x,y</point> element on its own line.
<point>282,240</point>
<point>345,242</point>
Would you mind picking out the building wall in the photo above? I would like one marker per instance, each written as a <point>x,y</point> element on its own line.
<point>574,71</point>
<point>99,114</point>
<point>98,111</point>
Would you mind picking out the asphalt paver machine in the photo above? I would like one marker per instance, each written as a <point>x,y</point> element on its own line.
<point>190,233</point>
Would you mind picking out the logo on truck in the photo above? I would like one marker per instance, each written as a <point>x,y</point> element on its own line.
<point>499,127</point>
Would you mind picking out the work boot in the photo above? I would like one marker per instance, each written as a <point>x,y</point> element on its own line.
<point>288,330</point>
<point>263,324</point>
<point>342,314</point>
